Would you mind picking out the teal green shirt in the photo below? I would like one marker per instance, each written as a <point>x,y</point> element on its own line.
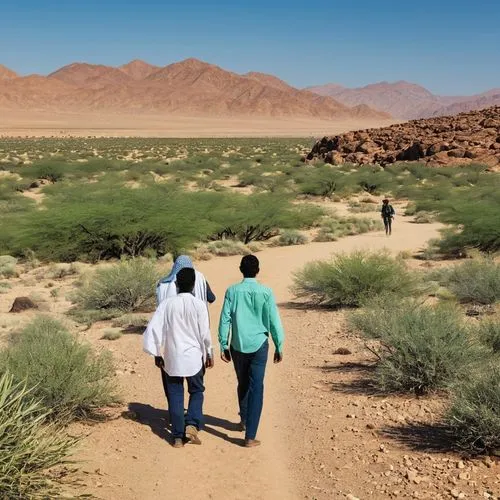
<point>250,314</point>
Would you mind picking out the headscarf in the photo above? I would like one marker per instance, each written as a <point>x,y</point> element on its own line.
<point>181,262</point>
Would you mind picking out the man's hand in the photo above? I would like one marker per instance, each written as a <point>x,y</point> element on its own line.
<point>225,356</point>
<point>210,362</point>
<point>278,357</point>
<point>159,362</point>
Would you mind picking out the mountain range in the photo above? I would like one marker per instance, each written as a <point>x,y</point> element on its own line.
<point>189,88</point>
<point>407,100</point>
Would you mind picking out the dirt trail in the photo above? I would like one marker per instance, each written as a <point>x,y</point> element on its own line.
<point>129,459</point>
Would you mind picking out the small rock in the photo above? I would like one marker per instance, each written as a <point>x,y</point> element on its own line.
<point>22,304</point>
<point>342,351</point>
<point>460,465</point>
<point>454,493</point>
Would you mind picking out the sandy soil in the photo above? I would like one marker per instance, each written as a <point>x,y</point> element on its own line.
<point>325,434</point>
<point>32,123</point>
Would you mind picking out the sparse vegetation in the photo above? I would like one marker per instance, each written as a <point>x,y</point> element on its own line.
<point>420,349</point>
<point>475,281</point>
<point>289,238</point>
<point>489,334</point>
<point>127,286</point>
<point>68,377</point>
<point>7,266</point>
<point>474,415</point>
<point>111,334</point>
<point>349,280</point>
<point>333,228</point>
<point>29,444</point>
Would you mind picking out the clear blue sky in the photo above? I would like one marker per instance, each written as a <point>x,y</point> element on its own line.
<point>449,46</point>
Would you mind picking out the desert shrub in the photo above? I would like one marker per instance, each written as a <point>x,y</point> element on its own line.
<point>68,376</point>
<point>489,334</point>
<point>90,316</point>
<point>421,348</point>
<point>292,238</point>
<point>102,221</point>
<point>333,228</point>
<point>260,217</point>
<point>424,218</point>
<point>474,415</point>
<point>105,220</point>
<point>7,266</point>
<point>472,213</point>
<point>29,445</point>
<point>111,334</point>
<point>131,321</point>
<point>474,281</point>
<point>127,286</point>
<point>361,208</point>
<point>227,247</point>
<point>60,271</point>
<point>351,279</point>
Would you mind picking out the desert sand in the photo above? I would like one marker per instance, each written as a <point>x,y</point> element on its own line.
<point>59,124</point>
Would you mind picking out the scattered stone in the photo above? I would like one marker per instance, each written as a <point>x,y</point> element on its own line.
<point>342,351</point>
<point>22,304</point>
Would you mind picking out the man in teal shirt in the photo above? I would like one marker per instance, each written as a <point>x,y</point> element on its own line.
<point>250,315</point>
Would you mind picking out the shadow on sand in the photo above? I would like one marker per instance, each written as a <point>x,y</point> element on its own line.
<point>159,423</point>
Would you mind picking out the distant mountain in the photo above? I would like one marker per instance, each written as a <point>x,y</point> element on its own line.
<point>189,87</point>
<point>90,75</point>
<point>6,73</point>
<point>403,99</point>
<point>271,80</point>
<point>481,101</point>
<point>139,70</point>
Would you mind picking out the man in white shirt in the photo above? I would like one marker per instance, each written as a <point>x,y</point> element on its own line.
<point>178,336</point>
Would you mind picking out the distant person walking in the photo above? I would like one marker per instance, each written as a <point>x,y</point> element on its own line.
<point>388,214</point>
<point>249,315</point>
<point>178,336</point>
<point>167,288</point>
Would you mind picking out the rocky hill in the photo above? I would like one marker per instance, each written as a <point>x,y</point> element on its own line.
<point>187,88</point>
<point>6,73</point>
<point>406,100</point>
<point>464,138</point>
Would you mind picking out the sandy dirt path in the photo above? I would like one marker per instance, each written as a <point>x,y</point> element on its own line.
<point>127,459</point>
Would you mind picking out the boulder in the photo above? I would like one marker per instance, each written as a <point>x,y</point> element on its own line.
<point>22,304</point>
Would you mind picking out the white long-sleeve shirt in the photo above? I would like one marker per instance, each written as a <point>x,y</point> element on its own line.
<point>179,331</point>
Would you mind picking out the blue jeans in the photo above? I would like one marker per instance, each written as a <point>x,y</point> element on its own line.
<point>175,389</point>
<point>250,370</point>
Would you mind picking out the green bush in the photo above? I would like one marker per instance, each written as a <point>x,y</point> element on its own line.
<point>349,280</point>
<point>29,445</point>
<point>224,248</point>
<point>475,281</point>
<point>289,238</point>
<point>127,286</point>
<point>333,228</point>
<point>421,348</point>
<point>489,334</point>
<point>474,415</point>
<point>7,266</point>
<point>68,376</point>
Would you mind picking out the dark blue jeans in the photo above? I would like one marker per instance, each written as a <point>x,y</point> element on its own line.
<point>175,395</point>
<point>250,370</point>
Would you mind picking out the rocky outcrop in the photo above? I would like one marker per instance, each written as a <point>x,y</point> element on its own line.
<point>464,138</point>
